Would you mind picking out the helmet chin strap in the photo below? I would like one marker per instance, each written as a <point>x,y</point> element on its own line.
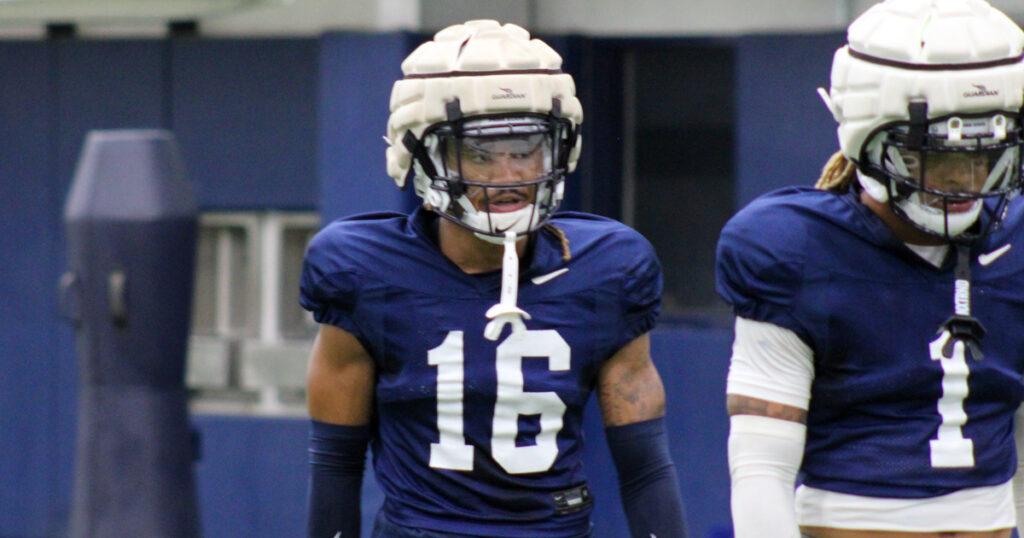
<point>961,326</point>
<point>506,312</point>
<point>520,221</point>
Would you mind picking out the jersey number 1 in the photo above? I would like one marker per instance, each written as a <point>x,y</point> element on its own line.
<point>451,451</point>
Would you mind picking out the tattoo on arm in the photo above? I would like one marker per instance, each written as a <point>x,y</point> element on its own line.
<point>745,405</point>
<point>634,395</point>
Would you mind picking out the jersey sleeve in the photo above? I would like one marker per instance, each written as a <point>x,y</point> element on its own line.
<point>328,287</point>
<point>758,268</point>
<point>642,289</point>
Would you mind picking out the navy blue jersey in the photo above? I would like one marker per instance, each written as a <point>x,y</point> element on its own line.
<point>880,424</point>
<point>477,436</point>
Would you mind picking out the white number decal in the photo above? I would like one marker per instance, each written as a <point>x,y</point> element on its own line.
<point>513,401</point>
<point>951,449</point>
<point>452,452</point>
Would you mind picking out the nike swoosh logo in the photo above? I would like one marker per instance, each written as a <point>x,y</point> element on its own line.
<point>989,257</point>
<point>540,279</point>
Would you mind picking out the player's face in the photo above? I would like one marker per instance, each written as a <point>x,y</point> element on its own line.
<point>963,172</point>
<point>502,162</point>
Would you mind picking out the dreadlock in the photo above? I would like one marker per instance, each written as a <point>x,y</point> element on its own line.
<point>553,230</point>
<point>838,174</point>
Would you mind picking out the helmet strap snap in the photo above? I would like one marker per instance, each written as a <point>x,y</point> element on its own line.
<point>963,327</point>
<point>505,312</point>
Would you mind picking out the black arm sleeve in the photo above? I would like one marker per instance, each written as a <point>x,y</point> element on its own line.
<point>647,479</point>
<point>337,456</point>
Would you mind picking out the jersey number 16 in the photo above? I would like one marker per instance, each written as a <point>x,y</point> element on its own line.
<point>452,451</point>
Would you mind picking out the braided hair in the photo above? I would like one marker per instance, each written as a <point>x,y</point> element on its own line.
<point>560,235</point>
<point>838,174</point>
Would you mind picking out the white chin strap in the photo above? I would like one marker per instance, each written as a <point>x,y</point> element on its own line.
<point>506,312</point>
<point>520,221</point>
<point>921,214</point>
<point>938,220</point>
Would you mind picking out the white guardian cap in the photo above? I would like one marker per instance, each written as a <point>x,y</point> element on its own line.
<point>928,95</point>
<point>488,126</point>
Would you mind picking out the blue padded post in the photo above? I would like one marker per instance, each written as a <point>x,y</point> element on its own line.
<point>131,223</point>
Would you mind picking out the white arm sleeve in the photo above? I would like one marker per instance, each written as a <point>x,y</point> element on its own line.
<point>764,457</point>
<point>1018,477</point>
<point>770,363</point>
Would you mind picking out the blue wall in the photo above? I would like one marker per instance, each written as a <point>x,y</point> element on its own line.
<point>295,124</point>
<point>37,382</point>
<point>356,74</point>
<point>784,133</point>
<point>245,113</point>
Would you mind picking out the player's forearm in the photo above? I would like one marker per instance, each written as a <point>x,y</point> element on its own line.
<point>764,457</point>
<point>337,456</point>
<point>647,479</point>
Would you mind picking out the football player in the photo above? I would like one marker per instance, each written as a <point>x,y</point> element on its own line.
<point>462,341</point>
<point>879,334</point>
